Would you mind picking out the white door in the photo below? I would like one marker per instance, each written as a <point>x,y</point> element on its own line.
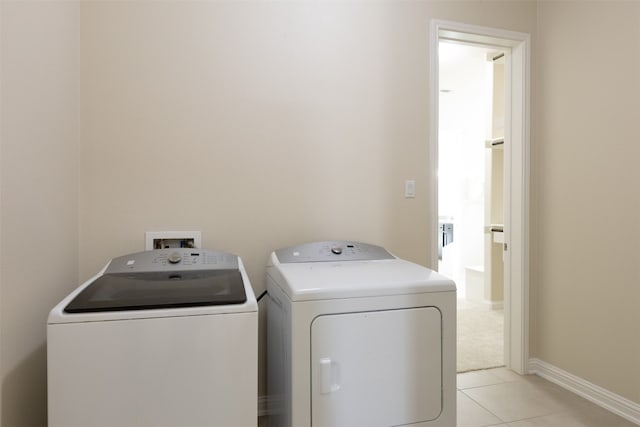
<point>376,368</point>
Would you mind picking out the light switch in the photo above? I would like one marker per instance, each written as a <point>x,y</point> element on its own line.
<point>409,189</point>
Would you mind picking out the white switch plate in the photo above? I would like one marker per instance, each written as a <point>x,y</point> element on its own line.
<point>409,189</point>
<point>172,239</point>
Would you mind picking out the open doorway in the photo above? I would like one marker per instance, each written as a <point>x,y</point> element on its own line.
<point>515,251</point>
<point>470,196</point>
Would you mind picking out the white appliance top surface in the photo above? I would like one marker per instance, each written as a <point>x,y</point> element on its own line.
<point>358,278</point>
<point>177,264</point>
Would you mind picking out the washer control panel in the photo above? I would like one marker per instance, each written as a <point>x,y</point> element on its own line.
<point>174,259</point>
<point>328,251</point>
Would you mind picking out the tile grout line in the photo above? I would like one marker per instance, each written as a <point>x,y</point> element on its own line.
<point>498,417</point>
<point>482,406</point>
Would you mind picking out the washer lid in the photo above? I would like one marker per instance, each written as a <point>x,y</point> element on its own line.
<point>163,289</point>
<point>165,278</point>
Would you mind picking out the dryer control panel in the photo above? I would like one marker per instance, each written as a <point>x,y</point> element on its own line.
<point>329,251</point>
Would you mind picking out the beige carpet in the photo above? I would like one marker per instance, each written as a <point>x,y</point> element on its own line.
<point>480,337</point>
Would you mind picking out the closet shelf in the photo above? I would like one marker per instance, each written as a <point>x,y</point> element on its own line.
<point>494,143</point>
<point>496,231</point>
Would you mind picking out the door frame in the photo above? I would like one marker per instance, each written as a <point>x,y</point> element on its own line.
<point>516,171</point>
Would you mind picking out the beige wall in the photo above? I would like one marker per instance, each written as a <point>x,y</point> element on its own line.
<point>38,192</point>
<point>586,255</point>
<point>264,124</point>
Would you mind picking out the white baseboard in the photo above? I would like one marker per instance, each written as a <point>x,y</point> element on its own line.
<point>494,305</point>
<point>596,394</point>
<point>491,305</point>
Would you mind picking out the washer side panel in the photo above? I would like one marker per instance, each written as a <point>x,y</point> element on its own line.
<point>163,372</point>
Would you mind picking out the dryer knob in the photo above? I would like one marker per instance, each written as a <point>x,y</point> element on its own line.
<point>336,250</point>
<point>175,258</point>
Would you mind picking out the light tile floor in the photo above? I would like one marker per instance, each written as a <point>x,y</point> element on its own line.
<point>499,397</point>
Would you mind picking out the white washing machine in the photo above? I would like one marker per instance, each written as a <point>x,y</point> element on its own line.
<point>157,338</point>
<point>358,337</point>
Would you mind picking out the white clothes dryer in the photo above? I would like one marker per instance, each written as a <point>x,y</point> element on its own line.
<point>358,337</point>
<point>161,338</point>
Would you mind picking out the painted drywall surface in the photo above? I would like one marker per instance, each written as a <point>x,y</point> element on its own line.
<point>38,194</point>
<point>579,270</point>
<point>264,124</point>
<point>585,272</point>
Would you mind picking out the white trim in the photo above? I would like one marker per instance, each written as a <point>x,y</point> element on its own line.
<point>434,95</point>
<point>494,305</point>
<point>517,173</point>
<point>517,150</point>
<point>600,396</point>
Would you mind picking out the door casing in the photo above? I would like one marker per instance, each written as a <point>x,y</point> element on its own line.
<point>516,171</point>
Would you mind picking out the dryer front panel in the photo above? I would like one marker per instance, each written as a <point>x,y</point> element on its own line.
<point>376,368</point>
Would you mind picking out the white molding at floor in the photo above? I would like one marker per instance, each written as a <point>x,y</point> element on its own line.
<point>596,394</point>
<point>491,305</point>
<point>494,305</point>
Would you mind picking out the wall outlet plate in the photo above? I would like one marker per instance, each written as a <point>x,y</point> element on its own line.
<point>409,189</point>
<point>172,239</point>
